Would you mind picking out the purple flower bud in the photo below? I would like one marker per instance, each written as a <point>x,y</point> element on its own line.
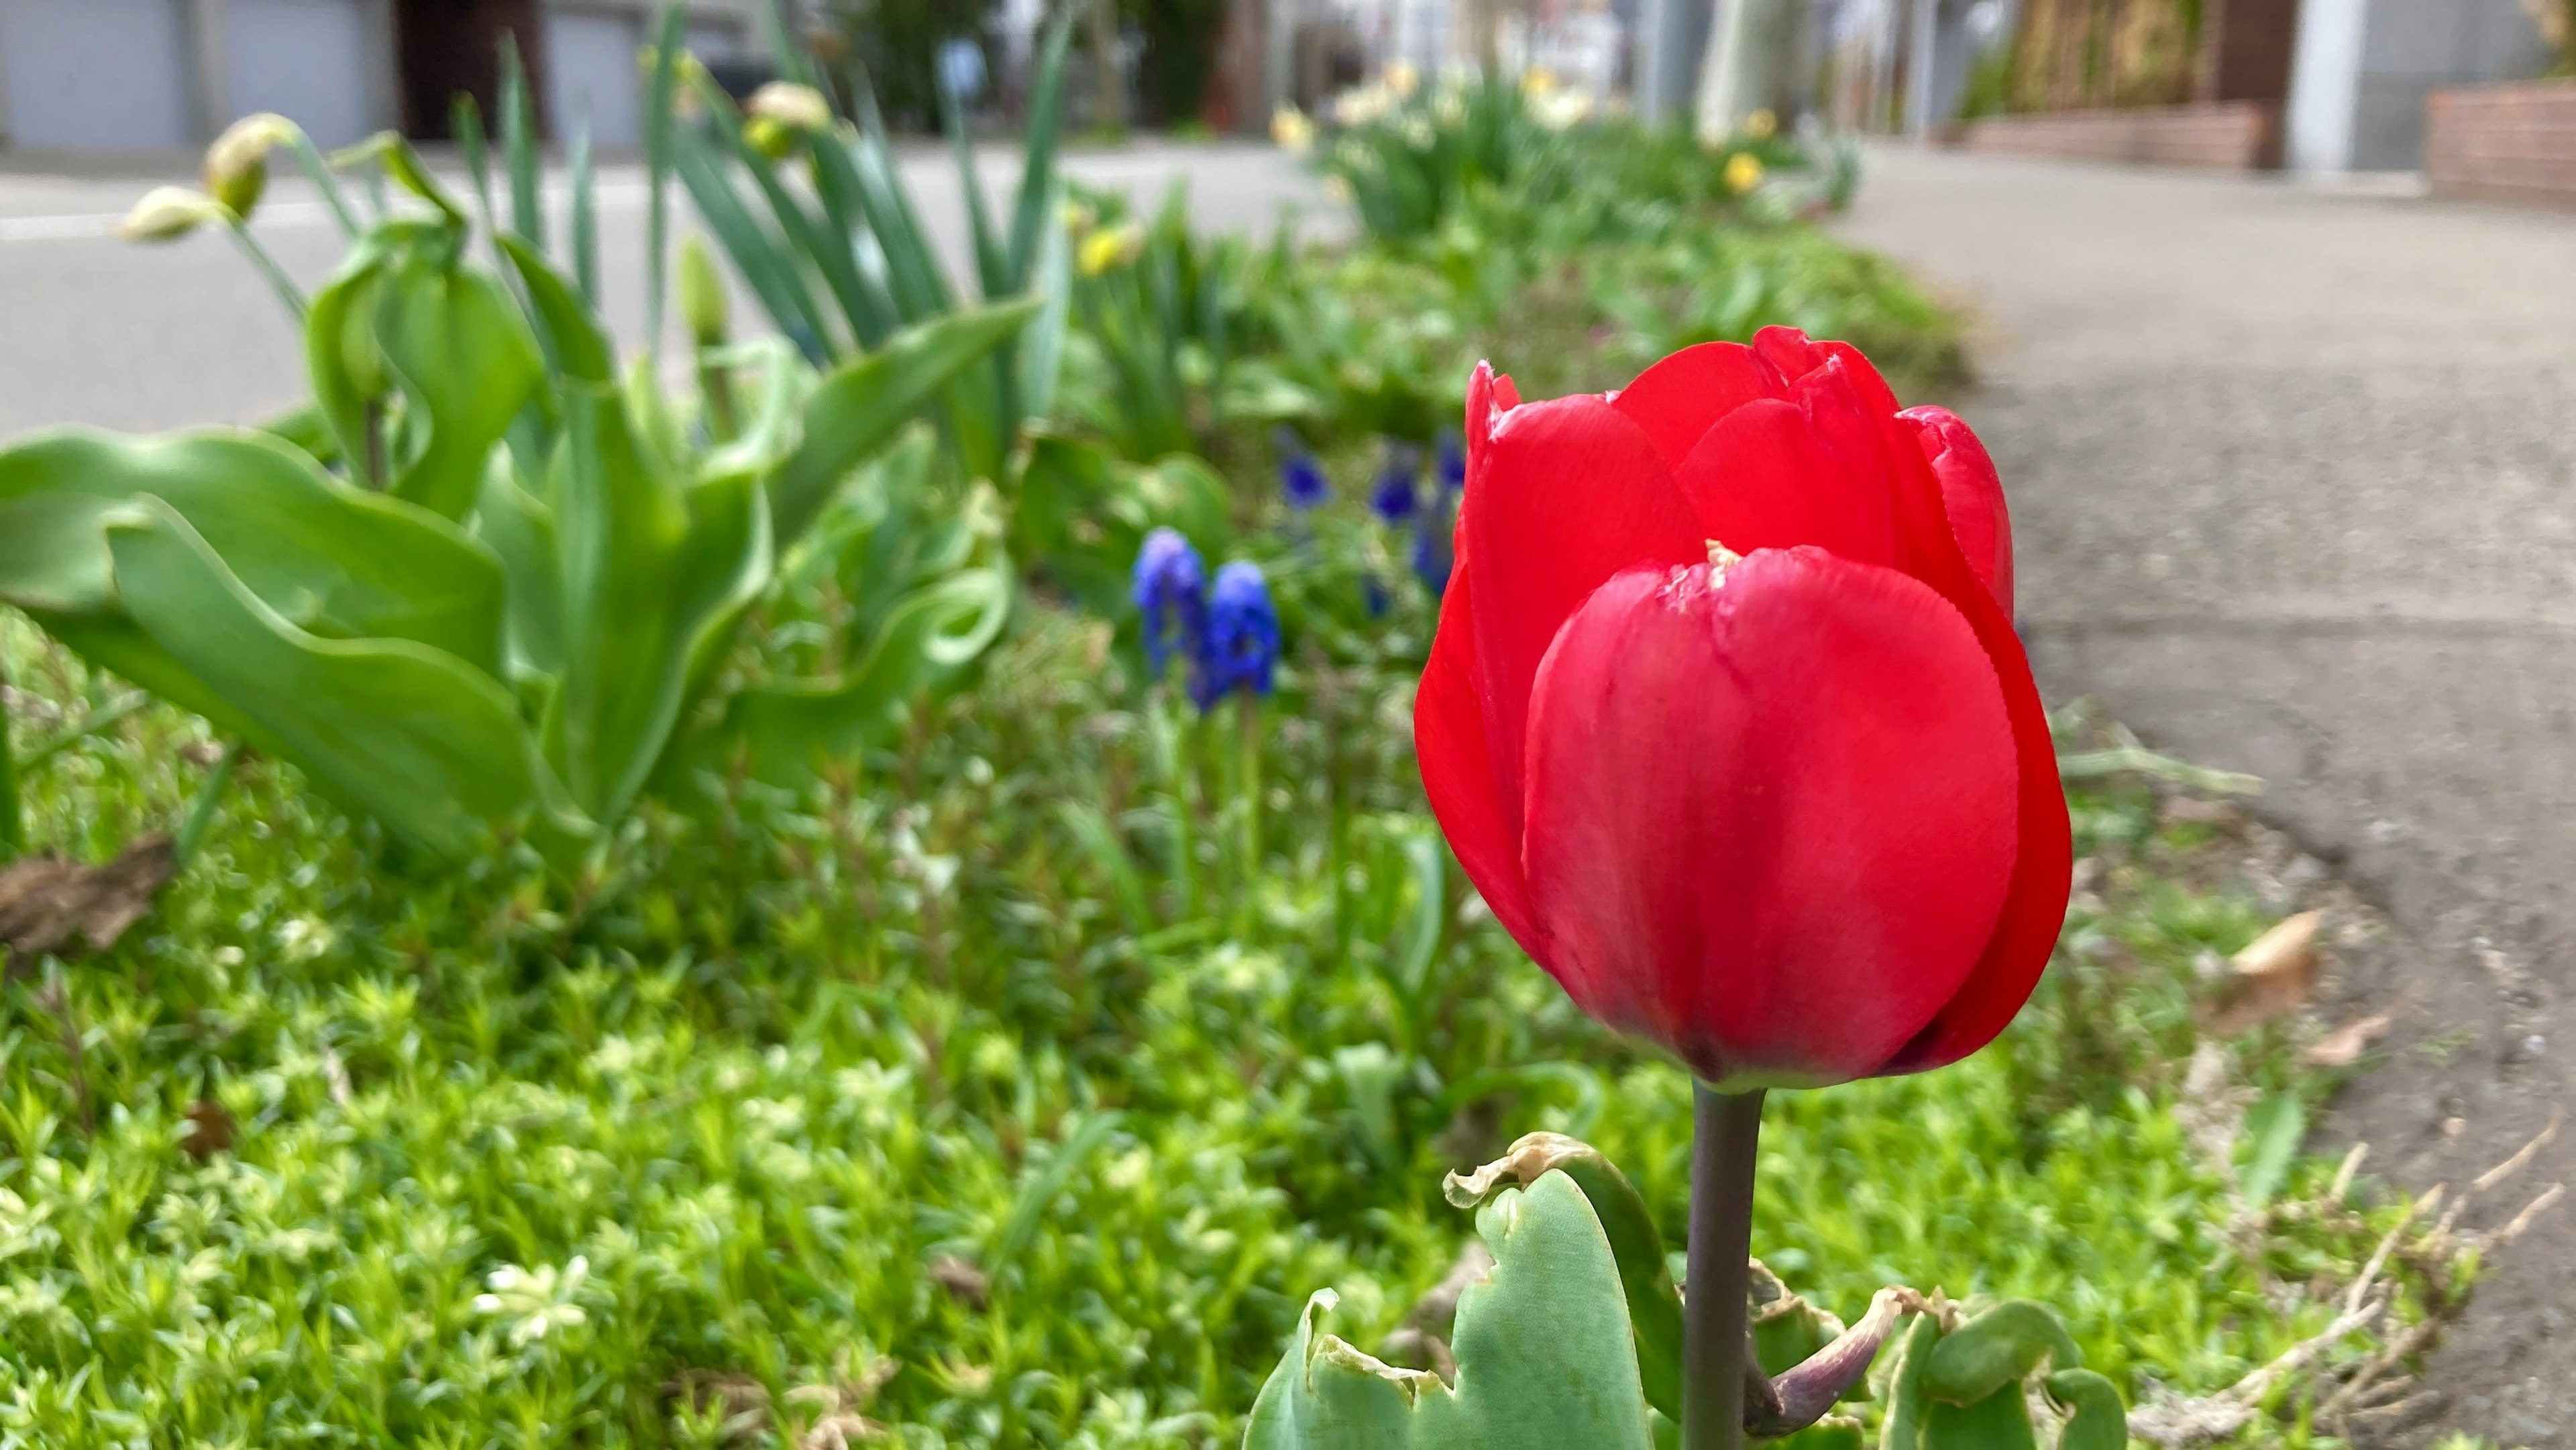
<point>1170,591</point>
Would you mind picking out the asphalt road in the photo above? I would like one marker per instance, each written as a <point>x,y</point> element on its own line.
<point>93,330</point>
<point>2293,481</point>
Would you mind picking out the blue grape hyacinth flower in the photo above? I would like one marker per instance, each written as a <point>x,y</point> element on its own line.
<point>1398,496</point>
<point>1170,591</point>
<point>1453,462</point>
<point>1301,478</point>
<point>1240,650</point>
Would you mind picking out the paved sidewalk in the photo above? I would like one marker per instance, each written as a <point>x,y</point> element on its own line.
<point>2293,476</point>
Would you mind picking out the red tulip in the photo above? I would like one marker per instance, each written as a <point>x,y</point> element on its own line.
<point>1727,720</point>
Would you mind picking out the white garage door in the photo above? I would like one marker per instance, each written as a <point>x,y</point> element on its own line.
<point>94,75</point>
<point>304,59</point>
<point>591,71</point>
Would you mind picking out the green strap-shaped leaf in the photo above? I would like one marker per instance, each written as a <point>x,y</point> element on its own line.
<point>765,263</point>
<point>670,38</point>
<point>519,146</point>
<point>1040,357</point>
<point>413,735</point>
<point>331,559</point>
<point>783,731</point>
<point>651,575</point>
<point>462,353</point>
<point>1545,1360</point>
<point>862,404</point>
<point>1998,1347</point>
<point>575,340</point>
<point>1041,199</point>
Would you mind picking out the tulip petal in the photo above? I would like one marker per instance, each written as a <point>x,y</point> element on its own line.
<point>1457,768</point>
<point>2035,909</point>
<point>1771,817</point>
<point>1677,399</point>
<point>1971,493</point>
<point>1766,476</point>
<point>1560,496</point>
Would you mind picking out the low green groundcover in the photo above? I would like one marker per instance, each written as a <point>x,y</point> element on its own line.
<point>938,1101</point>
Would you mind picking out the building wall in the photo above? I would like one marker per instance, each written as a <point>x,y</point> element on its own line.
<point>2363,68</point>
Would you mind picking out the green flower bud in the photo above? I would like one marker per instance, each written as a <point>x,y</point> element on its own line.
<point>703,303</point>
<point>167,213</point>
<point>236,166</point>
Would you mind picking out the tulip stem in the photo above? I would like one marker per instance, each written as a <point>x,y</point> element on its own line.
<point>1716,1333</point>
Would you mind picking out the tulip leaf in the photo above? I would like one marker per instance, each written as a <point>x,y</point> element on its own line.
<point>2098,1421</point>
<point>575,342</point>
<point>652,576</point>
<point>927,644</point>
<point>466,359</point>
<point>521,530</point>
<point>1636,1245</point>
<point>2000,1421</point>
<point>1907,1401</point>
<point>861,405</point>
<point>424,741</point>
<point>331,559</point>
<point>1999,1347</point>
<point>1544,1353</point>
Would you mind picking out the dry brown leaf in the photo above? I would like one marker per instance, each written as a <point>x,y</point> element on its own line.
<point>2344,1046</point>
<point>2273,977</point>
<point>45,901</point>
<point>964,1282</point>
<point>210,1130</point>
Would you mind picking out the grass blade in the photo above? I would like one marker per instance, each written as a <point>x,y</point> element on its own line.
<point>1021,1227</point>
<point>585,217</point>
<point>790,58</point>
<point>659,94</point>
<point>519,146</point>
<point>1046,124</point>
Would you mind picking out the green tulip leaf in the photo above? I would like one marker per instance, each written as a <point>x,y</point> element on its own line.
<point>409,733</point>
<point>2001,1346</point>
<point>330,559</point>
<point>1544,1350</point>
<point>464,356</point>
<point>927,644</point>
<point>2096,1419</point>
<point>520,527</point>
<point>861,405</point>
<point>2000,1421</point>
<point>652,577</point>
<point>1907,1400</point>
<point>575,341</point>
<point>1637,1246</point>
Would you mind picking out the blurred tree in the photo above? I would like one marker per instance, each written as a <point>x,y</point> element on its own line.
<point>897,42</point>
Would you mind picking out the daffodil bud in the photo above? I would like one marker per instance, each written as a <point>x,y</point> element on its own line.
<point>167,213</point>
<point>1110,248</point>
<point>798,108</point>
<point>236,166</point>
<point>1290,129</point>
<point>1761,124</point>
<point>703,304</point>
<point>1743,173</point>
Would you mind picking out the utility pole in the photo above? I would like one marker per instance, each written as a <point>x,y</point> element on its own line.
<point>1921,70</point>
<point>1748,68</point>
<point>1112,87</point>
<point>1671,37</point>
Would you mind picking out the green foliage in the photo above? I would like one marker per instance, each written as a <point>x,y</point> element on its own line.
<point>513,601</point>
<point>784,1055</point>
<point>1545,1357</point>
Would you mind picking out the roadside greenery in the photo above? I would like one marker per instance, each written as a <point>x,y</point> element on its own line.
<point>931,1026</point>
